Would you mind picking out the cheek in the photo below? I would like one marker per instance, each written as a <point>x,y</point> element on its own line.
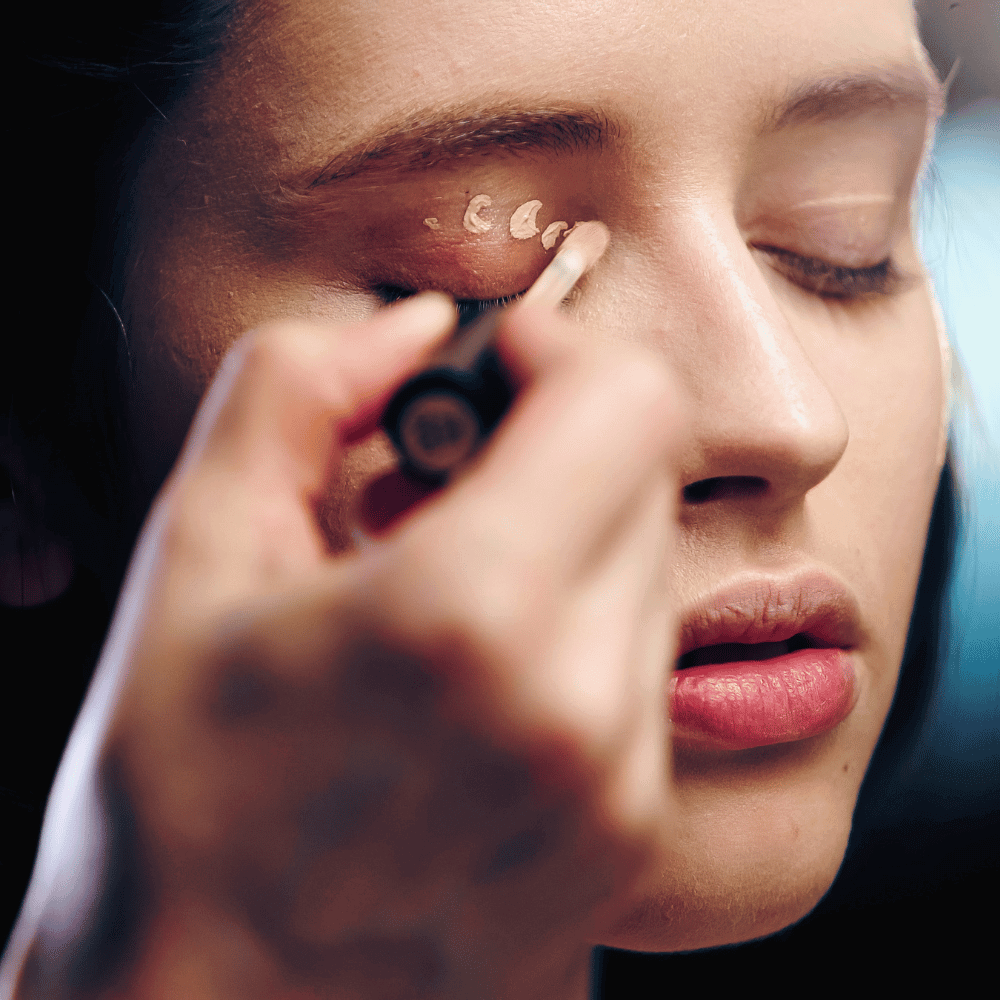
<point>874,510</point>
<point>893,396</point>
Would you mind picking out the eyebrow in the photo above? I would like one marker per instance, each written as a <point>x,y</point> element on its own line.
<point>429,138</point>
<point>840,97</point>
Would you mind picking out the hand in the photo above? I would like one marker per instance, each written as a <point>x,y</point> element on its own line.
<point>435,765</point>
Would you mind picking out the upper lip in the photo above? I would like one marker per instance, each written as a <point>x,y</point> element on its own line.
<point>762,608</point>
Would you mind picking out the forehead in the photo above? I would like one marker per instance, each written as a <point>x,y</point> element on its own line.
<point>329,72</point>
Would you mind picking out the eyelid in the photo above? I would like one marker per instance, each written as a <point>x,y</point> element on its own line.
<point>837,281</point>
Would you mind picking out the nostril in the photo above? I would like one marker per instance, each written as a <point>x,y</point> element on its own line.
<point>729,487</point>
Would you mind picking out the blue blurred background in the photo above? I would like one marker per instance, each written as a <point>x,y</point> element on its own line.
<point>957,767</point>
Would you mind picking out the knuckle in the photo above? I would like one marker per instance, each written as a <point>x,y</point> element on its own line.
<point>281,352</point>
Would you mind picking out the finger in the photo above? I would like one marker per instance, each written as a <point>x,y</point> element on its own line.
<point>541,344</point>
<point>287,393</point>
<point>537,515</point>
<point>534,653</point>
<point>271,428</point>
<point>607,679</point>
<point>589,427</point>
<point>532,340</point>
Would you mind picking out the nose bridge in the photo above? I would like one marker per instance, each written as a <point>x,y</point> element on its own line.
<point>762,412</point>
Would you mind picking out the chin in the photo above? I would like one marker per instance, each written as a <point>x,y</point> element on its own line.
<point>729,902</point>
<point>668,924</point>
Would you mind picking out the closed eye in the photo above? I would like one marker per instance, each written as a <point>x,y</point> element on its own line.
<point>468,309</point>
<point>818,277</point>
<point>835,281</point>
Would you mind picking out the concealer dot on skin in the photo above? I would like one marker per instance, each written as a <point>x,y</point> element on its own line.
<point>522,222</point>
<point>551,234</point>
<point>432,223</point>
<point>472,222</point>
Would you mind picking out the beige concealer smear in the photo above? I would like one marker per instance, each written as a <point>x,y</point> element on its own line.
<point>551,234</point>
<point>522,222</point>
<point>432,223</point>
<point>471,221</point>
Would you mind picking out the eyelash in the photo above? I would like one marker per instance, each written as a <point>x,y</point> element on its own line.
<point>834,281</point>
<point>468,309</point>
<point>818,277</point>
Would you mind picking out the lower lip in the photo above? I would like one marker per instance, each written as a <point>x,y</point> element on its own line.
<point>756,703</point>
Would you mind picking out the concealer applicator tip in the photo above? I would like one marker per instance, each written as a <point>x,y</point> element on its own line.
<point>440,417</point>
<point>589,240</point>
<point>581,250</point>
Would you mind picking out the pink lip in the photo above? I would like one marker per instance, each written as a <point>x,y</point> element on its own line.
<point>758,702</point>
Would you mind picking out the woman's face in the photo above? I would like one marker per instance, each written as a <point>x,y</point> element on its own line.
<point>754,163</point>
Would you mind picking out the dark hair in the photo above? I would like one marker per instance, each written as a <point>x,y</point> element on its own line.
<point>89,80</point>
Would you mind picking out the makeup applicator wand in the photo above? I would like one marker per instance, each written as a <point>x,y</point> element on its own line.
<point>440,417</point>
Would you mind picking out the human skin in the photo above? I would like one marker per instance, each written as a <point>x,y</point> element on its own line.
<point>698,353</point>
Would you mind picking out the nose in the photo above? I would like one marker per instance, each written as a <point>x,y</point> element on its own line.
<point>765,425</point>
